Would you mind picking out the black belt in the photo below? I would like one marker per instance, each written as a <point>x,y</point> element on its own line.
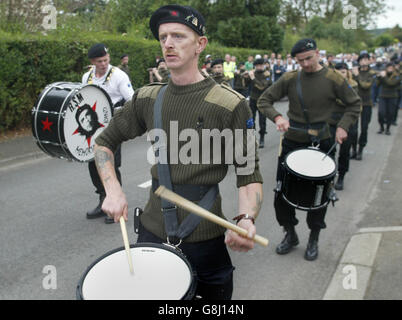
<point>192,192</point>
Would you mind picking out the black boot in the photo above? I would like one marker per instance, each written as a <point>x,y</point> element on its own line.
<point>387,131</point>
<point>359,155</point>
<point>339,182</point>
<point>312,246</point>
<point>261,144</point>
<point>381,129</point>
<point>354,153</point>
<point>291,240</point>
<point>97,212</point>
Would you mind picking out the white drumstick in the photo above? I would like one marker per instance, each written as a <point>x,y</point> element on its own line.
<point>126,244</point>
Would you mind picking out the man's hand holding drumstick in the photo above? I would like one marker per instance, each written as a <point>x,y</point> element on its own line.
<point>250,201</point>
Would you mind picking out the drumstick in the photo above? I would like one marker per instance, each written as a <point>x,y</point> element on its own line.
<point>169,195</point>
<point>333,146</point>
<point>126,244</point>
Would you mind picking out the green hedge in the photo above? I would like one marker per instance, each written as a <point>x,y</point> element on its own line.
<point>28,65</point>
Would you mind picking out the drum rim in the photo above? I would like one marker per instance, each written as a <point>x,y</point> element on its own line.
<point>328,176</point>
<point>187,296</point>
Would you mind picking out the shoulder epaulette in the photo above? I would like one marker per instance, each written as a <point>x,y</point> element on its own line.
<point>290,74</point>
<point>224,96</point>
<point>335,76</point>
<point>150,91</point>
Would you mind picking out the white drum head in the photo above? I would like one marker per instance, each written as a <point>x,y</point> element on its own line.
<point>310,163</point>
<point>88,113</point>
<point>158,275</point>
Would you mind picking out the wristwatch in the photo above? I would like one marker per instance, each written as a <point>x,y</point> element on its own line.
<point>244,216</point>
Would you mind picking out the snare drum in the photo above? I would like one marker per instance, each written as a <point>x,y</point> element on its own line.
<point>308,179</point>
<point>68,117</point>
<point>161,272</point>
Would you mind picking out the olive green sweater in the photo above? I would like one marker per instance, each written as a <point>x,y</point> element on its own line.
<point>390,85</point>
<point>337,114</point>
<point>320,90</point>
<point>203,105</point>
<point>365,80</point>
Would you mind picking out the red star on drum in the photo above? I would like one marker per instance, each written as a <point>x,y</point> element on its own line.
<point>46,125</point>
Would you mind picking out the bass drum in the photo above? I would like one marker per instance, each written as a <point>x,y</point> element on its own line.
<point>161,272</point>
<point>308,180</point>
<point>68,117</point>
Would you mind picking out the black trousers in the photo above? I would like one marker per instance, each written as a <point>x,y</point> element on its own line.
<point>365,119</point>
<point>93,172</point>
<point>285,213</point>
<point>386,111</point>
<point>344,149</point>
<point>262,120</point>
<point>211,261</point>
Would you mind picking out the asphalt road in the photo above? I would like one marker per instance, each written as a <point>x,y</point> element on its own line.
<point>43,204</point>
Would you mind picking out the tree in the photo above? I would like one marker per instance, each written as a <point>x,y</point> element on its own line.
<point>331,10</point>
<point>239,23</point>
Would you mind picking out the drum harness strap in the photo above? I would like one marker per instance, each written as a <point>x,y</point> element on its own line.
<point>169,210</point>
<point>314,133</point>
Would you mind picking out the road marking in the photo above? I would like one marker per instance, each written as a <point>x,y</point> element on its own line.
<point>380,229</point>
<point>146,184</point>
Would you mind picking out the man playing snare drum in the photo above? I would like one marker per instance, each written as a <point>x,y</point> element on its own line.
<point>191,101</point>
<point>309,111</point>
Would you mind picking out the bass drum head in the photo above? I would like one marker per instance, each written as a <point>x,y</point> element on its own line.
<point>310,163</point>
<point>88,113</point>
<point>160,273</point>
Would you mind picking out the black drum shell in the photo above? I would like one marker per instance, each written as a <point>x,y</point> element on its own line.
<point>305,192</point>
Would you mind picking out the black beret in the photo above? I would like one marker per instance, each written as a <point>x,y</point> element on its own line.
<point>362,56</point>
<point>179,14</point>
<point>123,56</point>
<point>159,62</point>
<point>97,50</point>
<point>259,61</point>
<point>217,61</point>
<point>341,65</point>
<point>303,45</point>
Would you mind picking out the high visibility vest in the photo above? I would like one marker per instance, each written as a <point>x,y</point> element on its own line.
<point>229,69</point>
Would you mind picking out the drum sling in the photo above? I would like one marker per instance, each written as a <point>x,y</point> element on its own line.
<point>169,210</point>
<point>316,130</point>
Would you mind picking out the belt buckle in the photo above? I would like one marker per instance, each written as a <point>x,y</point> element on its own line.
<point>313,132</point>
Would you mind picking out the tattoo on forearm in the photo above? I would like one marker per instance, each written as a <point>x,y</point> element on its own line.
<point>258,204</point>
<point>101,158</point>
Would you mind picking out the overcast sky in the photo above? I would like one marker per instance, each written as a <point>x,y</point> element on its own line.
<point>392,16</point>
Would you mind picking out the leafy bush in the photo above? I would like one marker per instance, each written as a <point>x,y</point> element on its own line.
<point>29,64</point>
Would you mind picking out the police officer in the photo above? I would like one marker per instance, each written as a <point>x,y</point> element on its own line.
<point>195,102</point>
<point>118,86</point>
<point>309,111</point>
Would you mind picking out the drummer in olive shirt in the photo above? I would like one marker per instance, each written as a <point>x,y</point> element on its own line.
<point>320,88</point>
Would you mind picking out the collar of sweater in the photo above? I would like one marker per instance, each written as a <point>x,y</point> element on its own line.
<point>314,74</point>
<point>190,88</point>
